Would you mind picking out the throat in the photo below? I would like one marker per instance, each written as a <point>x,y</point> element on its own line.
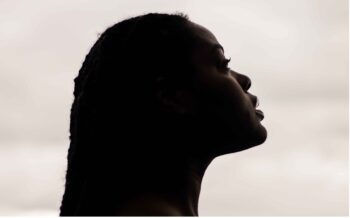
<point>183,188</point>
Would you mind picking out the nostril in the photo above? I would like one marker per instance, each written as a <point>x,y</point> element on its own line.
<point>256,101</point>
<point>243,80</point>
<point>248,84</point>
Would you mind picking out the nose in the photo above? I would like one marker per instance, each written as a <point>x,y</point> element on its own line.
<point>243,80</point>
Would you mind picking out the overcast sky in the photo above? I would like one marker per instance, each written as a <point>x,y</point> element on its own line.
<point>295,52</point>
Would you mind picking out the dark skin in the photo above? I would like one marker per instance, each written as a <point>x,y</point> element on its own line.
<point>230,123</point>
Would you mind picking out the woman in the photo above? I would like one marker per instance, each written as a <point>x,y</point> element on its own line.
<point>155,103</point>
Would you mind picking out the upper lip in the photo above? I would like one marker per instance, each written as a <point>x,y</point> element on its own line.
<point>255,100</point>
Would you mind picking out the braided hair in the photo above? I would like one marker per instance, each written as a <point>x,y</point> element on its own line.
<point>115,100</point>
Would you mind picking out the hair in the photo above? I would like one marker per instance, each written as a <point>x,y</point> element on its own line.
<point>116,108</point>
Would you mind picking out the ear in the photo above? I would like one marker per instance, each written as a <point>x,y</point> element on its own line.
<point>178,101</point>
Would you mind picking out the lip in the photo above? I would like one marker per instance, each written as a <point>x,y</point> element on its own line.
<point>260,114</point>
<point>254,100</point>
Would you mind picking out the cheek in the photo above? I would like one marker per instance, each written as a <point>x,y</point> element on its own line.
<point>216,87</point>
<point>227,117</point>
<point>231,100</point>
<point>223,100</point>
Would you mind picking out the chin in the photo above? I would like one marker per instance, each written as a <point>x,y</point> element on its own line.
<point>258,136</point>
<point>241,141</point>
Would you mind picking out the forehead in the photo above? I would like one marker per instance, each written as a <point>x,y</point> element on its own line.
<point>205,39</point>
<point>203,34</point>
<point>206,47</point>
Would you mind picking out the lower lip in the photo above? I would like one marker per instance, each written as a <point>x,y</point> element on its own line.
<point>260,114</point>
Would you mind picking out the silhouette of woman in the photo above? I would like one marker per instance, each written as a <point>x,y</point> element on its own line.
<point>155,103</point>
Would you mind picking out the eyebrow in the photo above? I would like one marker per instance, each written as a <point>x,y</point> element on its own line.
<point>217,46</point>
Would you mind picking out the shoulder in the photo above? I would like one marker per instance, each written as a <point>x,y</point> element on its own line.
<point>149,206</point>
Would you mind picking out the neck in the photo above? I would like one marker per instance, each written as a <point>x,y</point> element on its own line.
<point>182,186</point>
<point>192,190</point>
<point>166,188</point>
<point>169,174</point>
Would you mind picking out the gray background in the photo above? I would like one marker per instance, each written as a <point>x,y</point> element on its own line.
<point>296,53</point>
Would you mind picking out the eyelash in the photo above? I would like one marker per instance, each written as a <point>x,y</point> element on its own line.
<point>223,65</point>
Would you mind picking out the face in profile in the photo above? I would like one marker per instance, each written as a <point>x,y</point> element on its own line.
<point>230,120</point>
<point>158,123</point>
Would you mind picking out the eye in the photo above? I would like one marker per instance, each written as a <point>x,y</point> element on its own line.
<point>223,65</point>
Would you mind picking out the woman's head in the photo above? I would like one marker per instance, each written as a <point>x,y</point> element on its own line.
<point>130,75</point>
<point>155,88</point>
